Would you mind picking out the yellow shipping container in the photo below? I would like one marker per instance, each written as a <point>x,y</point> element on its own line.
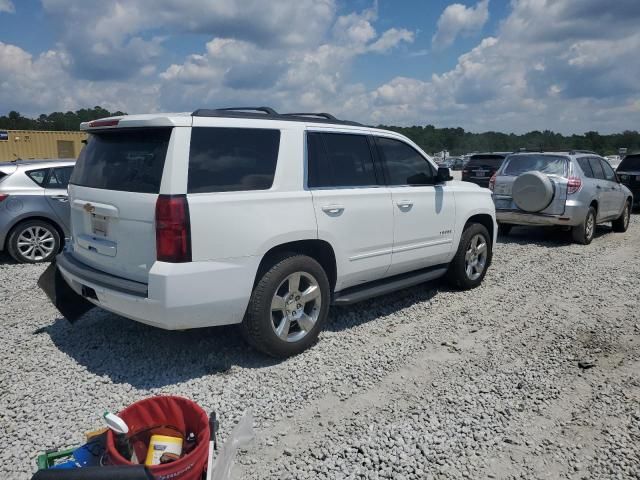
<point>39,144</point>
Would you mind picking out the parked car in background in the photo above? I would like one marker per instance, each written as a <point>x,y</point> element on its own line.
<point>34,208</point>
<point>456,163</point>
<point>258,218</point>
<point>572,189</point>
<point>481,167</point>
<point>629,174</point>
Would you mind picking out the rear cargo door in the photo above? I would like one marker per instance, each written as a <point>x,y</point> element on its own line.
<point>555,167</point>
<point>112,194</point>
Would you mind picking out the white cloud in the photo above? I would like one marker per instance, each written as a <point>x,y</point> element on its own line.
<point>549,64</point>
<point>460,20</point>
<point>7,6</point>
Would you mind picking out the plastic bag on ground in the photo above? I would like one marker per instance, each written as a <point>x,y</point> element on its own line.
<point>241,436</point>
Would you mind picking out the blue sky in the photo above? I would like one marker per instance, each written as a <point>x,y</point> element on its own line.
<point>520,65</point>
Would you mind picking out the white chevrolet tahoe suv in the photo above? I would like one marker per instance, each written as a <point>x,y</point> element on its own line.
<point>246,216</point>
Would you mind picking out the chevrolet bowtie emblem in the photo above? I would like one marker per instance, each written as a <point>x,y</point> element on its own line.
<point>89,208</point>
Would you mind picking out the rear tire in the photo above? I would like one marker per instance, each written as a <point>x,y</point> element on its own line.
<point>278,321</point>
<point>584,232</point>
<point>33,241</point>
<point>621,224</point>
<point>469,266</point>
<point>504,229</point>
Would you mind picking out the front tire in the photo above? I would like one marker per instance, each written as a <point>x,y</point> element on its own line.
<point>33,241</point>
<point>288,307</point>
<point>584,232</point>
<point>469,266</point>
<point>621,224</point>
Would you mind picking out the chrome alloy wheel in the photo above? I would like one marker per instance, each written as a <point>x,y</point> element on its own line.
<point>475,260</point>
<point>626,214</point>
<point>590,226</point>
<point>295,307</point>
<point>36,243</point>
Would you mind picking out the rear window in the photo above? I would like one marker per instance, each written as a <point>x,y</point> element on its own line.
<point>549,164</point>
<point>125,160</point>
<point>486,160</point>
<point>232,159</point>
<point>630,162</point>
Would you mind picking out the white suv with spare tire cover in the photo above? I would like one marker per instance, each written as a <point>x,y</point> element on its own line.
<point>246,216</point>
<point>576,189</point>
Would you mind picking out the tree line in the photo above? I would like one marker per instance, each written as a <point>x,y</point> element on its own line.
<point>456,140</point>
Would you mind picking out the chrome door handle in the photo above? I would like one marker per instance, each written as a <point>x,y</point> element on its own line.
<point>60,198</point>
<point>333,209</point>
<point>404,203</point>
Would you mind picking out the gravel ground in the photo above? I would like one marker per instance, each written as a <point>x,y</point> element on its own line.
<point>427,383</point>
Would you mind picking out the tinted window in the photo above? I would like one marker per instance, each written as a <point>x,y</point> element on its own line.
<point>549,164</point>
<point>405,166</point>
<point>125,160</point>
<point>232,159</point>
<point>586,168</point>
<point>38,176</point>
<point>339,160</point>
<point>596,167</point>
<point>630,163</point>
<point>493,161</point>
<point>59,177</point>
<point>609,174</point>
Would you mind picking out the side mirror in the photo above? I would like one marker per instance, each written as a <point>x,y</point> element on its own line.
<point>443,175</point>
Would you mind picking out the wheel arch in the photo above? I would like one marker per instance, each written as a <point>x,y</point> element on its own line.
<point>484,219</point>
<point>319,250</point>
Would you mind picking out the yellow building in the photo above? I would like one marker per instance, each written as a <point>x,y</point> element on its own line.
<point>38,144</point>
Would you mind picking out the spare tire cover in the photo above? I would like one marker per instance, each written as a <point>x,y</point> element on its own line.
<point>532,191</point>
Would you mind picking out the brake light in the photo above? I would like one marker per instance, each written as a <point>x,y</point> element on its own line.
<point>573,185</point>
<point>492,182</point>
<point>3,197</point>
<point>173,236</point>
<point>104,123</point>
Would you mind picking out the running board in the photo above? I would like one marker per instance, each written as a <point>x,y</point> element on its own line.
<point>388,285</point>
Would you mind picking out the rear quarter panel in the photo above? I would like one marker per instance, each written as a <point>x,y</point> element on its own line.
<point>18,208</point>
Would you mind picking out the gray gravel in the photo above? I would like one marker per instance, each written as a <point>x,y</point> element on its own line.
<point>428,383</point>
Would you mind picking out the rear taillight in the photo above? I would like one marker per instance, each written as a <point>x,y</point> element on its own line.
<point>173,236</point>
<point>3,197</point>
<point>492,182</point>
<point>573,185</point>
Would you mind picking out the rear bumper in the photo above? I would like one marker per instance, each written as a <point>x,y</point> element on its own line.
<point>178,295</point>
<point>574,213</point>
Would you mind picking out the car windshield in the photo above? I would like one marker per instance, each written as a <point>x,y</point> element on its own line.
<point>486,160</point>
<point>631,162</point>
<point>549,164</point>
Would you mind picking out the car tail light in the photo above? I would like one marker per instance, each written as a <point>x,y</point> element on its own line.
<point>104,123</point>
<point>573,185</point>
<point>3,197</point>
<point>492,182</point>
<point>173,236</point>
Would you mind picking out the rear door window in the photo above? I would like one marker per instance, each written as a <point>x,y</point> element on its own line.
<point>39,176</point>
<point>339,160</point>
<point>124,160</point>
<point>586,167</point>
<point>549,164</point>
<point>59,177</point>
<point>630,163</point>
<point>493,161</point>
<point>232,159</point>
<point>596,167</point>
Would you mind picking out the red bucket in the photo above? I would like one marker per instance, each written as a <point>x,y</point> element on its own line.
<point>147,417</point>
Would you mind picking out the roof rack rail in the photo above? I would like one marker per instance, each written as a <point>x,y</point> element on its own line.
<point>328,116</point>
<point>573,152</point>
<point>265,110</point>
<point>269,113</point>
